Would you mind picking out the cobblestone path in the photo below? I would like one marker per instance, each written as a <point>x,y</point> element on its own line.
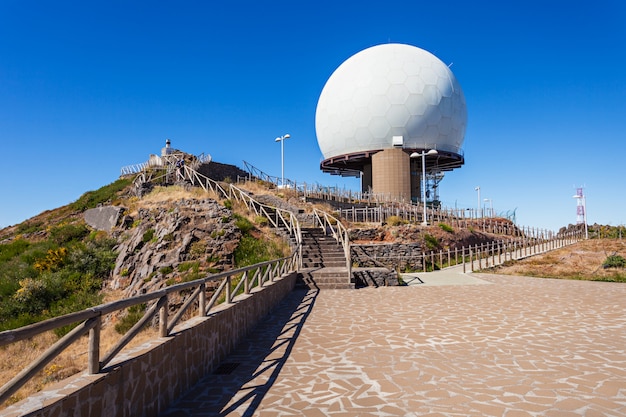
<point>512,347</point>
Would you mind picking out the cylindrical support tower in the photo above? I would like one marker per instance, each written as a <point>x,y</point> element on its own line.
<point>390,173</point>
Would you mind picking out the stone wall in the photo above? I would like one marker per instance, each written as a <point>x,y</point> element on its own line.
<point>219,172</point>
<point>396,256</point>
<point>145,381</point>
<point>375,277</point>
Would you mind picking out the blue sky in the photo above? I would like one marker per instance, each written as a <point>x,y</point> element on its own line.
<point>87,87</point>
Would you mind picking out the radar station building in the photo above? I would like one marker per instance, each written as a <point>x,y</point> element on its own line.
<point>393,115</point>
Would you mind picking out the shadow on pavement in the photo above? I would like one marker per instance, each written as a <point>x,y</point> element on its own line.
<point>244,378</point>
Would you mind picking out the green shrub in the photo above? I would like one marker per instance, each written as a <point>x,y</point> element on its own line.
<point>431,242</point>
<point>252,250</point>
<point>13,249</point>
<point>228,204</point>
<point>33,295</point>
<point>91,199</point>
<point>147,236</point>
<point>29,227</point>
<point>614,261</point>
<point>186,266</point>
<point>134,314</point>
<point>217,233</point>
<point>261,221</point>
<point>68,233</point>
<point>166,270</point>
<point>41,280</point>
<point>446,227</point>
<point>243,224</point>
<point>95,258</point>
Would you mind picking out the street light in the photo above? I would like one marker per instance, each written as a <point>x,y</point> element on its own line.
<point>490,206</point>
<point>423,155</point>
<point>282,157</point>
<point>479,212</point>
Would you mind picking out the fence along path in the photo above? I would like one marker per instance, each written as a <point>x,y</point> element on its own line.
<point>231,283</point>
<point>228,284</point>
<point>496,252</point>
<point>89,321</point>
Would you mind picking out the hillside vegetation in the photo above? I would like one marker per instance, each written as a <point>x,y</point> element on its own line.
<point>53,263</point>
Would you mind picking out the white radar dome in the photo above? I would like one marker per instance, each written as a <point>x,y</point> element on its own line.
<point>390,90</point>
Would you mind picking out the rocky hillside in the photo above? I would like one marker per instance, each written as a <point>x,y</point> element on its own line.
<point>173,241</point>
<point>432,237</point>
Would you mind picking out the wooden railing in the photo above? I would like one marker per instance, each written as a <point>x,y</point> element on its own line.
<point>278,218</point>
<point>231,283</point>
<point>491,253</point>
<point>452,218</point>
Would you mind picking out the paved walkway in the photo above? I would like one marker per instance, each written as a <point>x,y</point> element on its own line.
<point>458,345</point>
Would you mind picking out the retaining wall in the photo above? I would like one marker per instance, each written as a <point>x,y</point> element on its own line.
<point>396,256</point>
<point>147,379</point>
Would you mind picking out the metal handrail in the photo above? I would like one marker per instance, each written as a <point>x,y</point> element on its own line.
<point>254,172</point>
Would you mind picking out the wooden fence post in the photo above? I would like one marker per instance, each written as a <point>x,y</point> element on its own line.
<point>463,257</point>
<point>163,318</point>
<point>94,347</point>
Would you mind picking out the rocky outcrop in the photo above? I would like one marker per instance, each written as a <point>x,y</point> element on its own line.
<point>416,235</point>
<point>173,242</point>
<point>103,218</point>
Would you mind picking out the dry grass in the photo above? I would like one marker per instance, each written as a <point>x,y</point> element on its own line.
<point>579,261</point>
<point>17,356</point>
<point>160,195</point>
<point>582,260</point>
<point>256,187</point>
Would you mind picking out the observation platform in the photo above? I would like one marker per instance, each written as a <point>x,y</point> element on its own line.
<point>448,344</point>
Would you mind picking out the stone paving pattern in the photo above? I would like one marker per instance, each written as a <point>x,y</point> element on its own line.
<point>513,347</point>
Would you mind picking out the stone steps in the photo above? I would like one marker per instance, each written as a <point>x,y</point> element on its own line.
<point>323,262</point>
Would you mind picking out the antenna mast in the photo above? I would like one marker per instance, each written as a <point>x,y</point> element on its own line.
<point>581,209</point>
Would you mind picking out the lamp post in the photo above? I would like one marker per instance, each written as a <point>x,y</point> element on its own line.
<point>423,155</point>
<point>282,156</point>
<point>490,206</point>
<point>479,212</point>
